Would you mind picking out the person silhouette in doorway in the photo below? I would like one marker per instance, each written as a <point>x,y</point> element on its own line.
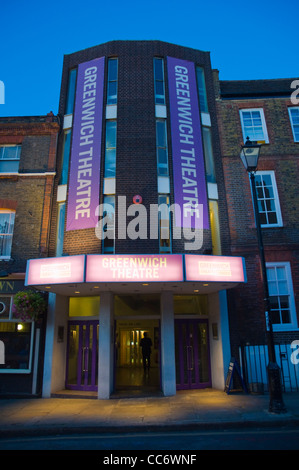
<point>146,344</point>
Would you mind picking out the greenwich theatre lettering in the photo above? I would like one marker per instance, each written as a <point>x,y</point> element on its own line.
<point>188,159</point>
<point>84,180</point>
<point>134,268</point>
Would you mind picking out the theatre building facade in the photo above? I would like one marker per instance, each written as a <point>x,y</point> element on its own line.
<point>139,238</point>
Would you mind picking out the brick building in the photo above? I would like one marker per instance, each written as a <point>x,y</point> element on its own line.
<point>263,111</point>
<point>151,221</point>
<point>27,170</point>
<point>139,237</point>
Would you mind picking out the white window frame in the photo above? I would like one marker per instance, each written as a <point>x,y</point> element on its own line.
<point>265,132</point>
<point>293,317</point>
<point>276,199</point>
<point>13,213</point>
<point>16,158</point>
<point>291,121</point>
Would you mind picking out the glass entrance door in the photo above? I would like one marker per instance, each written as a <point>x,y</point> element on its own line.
<point>192,355</point>
<point>130,351</point>
<point>82,355</point>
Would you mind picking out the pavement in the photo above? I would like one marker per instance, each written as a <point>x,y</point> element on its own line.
<point>195,409</point>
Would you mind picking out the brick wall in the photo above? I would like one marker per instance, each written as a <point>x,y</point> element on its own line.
<point>30,191</point>
<point>136,138</point>
<point>282,243</point>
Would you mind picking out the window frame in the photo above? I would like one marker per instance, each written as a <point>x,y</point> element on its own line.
<point>12,213</point>
<point>292,123</point>
<point>202,90</point>
<point>158,96</point>
<point>66,152</point>
<point>107,167</point>
<point>293,316</point>
<point>71,91</point>
<point>17,158</point>
<point>108,200</point>
<point>165,148</point>
<point>263,120</point>
<point>61,211</point>
<point>162,205</point>
<point>271,173</point>
<point>111,100</point>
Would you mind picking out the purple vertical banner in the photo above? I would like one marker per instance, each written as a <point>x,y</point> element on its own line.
<point>190,193</point>
<point>85,164</point>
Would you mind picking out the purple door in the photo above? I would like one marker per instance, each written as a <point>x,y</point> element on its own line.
<point>82,355</point>
<point>192,354</point>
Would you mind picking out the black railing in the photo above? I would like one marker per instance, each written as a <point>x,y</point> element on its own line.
<point>254,360</point>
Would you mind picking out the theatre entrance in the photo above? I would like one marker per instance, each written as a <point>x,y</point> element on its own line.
<point>192,354</point>
<point>130,376</point>
<point>82,355</point>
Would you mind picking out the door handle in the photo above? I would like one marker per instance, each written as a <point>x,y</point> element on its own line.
<point>85,359</point>
<point>190,358</point>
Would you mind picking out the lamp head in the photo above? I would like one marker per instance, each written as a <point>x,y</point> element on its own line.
<point>249,155</point>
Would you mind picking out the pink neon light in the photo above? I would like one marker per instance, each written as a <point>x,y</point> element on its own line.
<point>214,268</point>
<point>134,268</point>
<point>56,270</point>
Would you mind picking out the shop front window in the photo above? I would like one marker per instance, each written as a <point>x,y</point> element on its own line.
<point>16,340</point>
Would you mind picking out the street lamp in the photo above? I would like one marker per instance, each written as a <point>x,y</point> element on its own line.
<point>249,155</point>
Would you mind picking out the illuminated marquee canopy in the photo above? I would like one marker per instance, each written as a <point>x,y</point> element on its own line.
<point>134,268</point>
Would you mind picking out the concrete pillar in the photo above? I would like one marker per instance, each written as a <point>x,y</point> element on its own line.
<point>105,375</point>
<point>55,352</point>
<point>225,336</point>
<point>220,346</point>
<point>168,376</point>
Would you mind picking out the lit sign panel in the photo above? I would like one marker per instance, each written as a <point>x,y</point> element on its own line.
<point>55,270</point>
<point>134,268</point>
<point>214,268</point>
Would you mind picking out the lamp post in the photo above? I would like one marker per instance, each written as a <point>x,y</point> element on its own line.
<point>249,155</point>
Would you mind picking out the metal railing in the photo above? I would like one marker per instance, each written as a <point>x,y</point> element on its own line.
<point>254,361</point>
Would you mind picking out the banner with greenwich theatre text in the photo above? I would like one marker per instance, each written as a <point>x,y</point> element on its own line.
<point>190,193</point>
<point>84,178</point>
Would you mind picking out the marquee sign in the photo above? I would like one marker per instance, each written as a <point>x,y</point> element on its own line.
<point>85,164</point>
<point>190,192</point>
<point>55,270</point>
<point>214,268</point>
<point>134,268</point>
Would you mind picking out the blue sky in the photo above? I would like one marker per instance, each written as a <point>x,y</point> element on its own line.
<point>247,40</point>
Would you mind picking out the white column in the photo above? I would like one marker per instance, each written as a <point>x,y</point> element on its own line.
<point>55,353</point>
<point>167,345</point>
<point>46,393</point>
<point>220,346</point>
<point>224,322</point>
<point>105,375</point>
